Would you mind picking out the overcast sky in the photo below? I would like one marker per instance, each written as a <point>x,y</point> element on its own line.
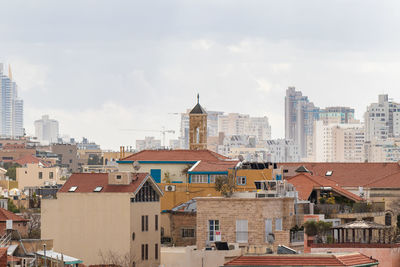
<point>101,66</point>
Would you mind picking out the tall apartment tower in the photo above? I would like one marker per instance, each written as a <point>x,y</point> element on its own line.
<point>11,107</point>
<point>197,127</point>
<point>337,115</point>
<point>382,119</point>
<point>46,130</point>
<point>300,115</point>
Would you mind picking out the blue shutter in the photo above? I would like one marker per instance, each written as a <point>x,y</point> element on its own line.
<point>156,174</point>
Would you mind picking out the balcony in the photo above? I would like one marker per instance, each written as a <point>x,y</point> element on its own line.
<point>296,236</point>
<point>336,210</point>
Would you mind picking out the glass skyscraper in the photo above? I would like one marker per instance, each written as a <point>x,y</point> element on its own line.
<point>11,107</point>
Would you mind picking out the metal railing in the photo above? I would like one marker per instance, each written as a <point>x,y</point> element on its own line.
<point>362,207</point>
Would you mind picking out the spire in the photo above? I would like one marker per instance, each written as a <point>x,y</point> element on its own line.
<point>198,98</point>
<point>9,72</point>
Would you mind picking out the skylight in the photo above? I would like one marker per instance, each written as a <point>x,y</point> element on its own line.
<point>72,189</point>
<point>328,173</point>
<point>98,189</point>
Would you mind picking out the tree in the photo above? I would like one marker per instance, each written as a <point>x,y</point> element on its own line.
<point>12,170</point>
<point>33,224</point>
<point>12,207</point>
<point>225,184</point>
<point>313,228</point>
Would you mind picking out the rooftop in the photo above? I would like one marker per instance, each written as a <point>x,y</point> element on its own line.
<point>88,182</point>
<point>361,224</point>
<point>8,215</point>
<point>336,259</point>
<point>175,155</point>
<point>305,183</point>
<point>214,166</point>
<point>31,159</point>
<point>354,174</point>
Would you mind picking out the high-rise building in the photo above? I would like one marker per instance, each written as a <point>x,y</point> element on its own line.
<point>149,142</point>
<point>242,124</point>
<point>336,115</point>
<point>11,107</point>
<point>338,142</point>
<point>300,115</point>
<point>46,130</point>
<point>382,119</point>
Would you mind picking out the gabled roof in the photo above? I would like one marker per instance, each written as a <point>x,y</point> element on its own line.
<point>305,183</point>
<point>390,181</point>
<point>302,169</point>
<point>8,215</point>
<point>175,155</point>
<point>31,159</point>
<point>328,260</point>
<point>214,166</point>
<point>350,174</point>
<point>87,182</point>
<point>361,224</point>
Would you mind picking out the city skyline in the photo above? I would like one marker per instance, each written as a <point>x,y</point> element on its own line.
<point>244,64</point>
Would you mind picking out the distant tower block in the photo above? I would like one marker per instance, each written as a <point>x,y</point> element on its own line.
<point>197,127</point>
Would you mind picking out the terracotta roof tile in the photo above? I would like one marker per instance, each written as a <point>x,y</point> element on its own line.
<point>305,183</point>
<point>8,215</point>
<point>353,259</point>
<point>87,182</point>
<point>349,174</point>
<point>30,159</point>
<point>176,155</point>
<point>214,166</point>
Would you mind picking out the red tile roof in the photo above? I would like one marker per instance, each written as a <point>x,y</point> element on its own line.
<point>214,166</point>
<point>305,183</point>
<point>30,159</point>
<point>176,155</point>
<point>353,259</point>
<point>390,181</point>
<point>349,174</point>
<point>87,182</point>
<point>8,215</point>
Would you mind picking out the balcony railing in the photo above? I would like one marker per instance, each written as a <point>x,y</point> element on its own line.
<point>329,209</point>
<point>297,236</point>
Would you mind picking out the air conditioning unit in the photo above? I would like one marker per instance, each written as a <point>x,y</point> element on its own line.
<point>170,188</point>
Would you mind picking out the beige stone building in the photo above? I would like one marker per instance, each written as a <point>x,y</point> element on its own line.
<point>98,216</point>
<point>255,223</point>
<point>36,175</point>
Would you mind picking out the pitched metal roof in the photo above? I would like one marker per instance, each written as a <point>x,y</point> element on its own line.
<point>198,109</point>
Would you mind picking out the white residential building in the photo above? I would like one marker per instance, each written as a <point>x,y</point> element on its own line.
<point>281,150</point>
<point>46,130</point>
<point>338,142</point>
<point>383,150</point>
<point>382,119</point>
<point>149,142</point>
<point>11,107</point>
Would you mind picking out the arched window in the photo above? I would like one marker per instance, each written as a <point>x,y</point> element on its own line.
<point>388,219</point>
<point>197,136</point>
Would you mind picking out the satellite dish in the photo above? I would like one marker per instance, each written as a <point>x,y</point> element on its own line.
<point>241,158</point>
<point>136,165</point>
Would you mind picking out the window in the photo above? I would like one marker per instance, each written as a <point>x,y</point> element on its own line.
<point>70,161</point>
<point>119,177</point>
<point>72,188</point>
<point>156,251</point>
<point>187,233</point>
<point>98,189</point>
<point>199,179</point>
<point>241,231</point>
<point>213,231</point>
<point>278,224</point>
<point>40,175</point>
<point>145,223</point>
<point>145,252</point>
<point>51,175</point>
<point>146,194</point>
<point>241,180</point>
<point>268,230</point>
<point>156,222</point>
<point>329,173</point>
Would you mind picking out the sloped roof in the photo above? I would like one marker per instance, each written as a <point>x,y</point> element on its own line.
<point>390,181</point>
<point>8,215</point>
<point>214,166</point>
<point>87,182</point>
<point>175,155</point>
<point>305,183</point>
<point>350,174</point>
<point>198,109</point>
<point>189,206</point>
<point>302,169</point>
<point>344,259</point>
<point>361,224</point>
<point>31,159</point>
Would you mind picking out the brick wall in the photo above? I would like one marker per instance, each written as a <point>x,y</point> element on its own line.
<point>255,211</point>
<point>179,221</point>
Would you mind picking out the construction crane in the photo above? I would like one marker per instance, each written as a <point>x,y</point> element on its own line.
<point>163,132</point>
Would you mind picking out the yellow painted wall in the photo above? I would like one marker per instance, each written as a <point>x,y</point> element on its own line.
<point>251,177</point>
<point>29,176</point>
